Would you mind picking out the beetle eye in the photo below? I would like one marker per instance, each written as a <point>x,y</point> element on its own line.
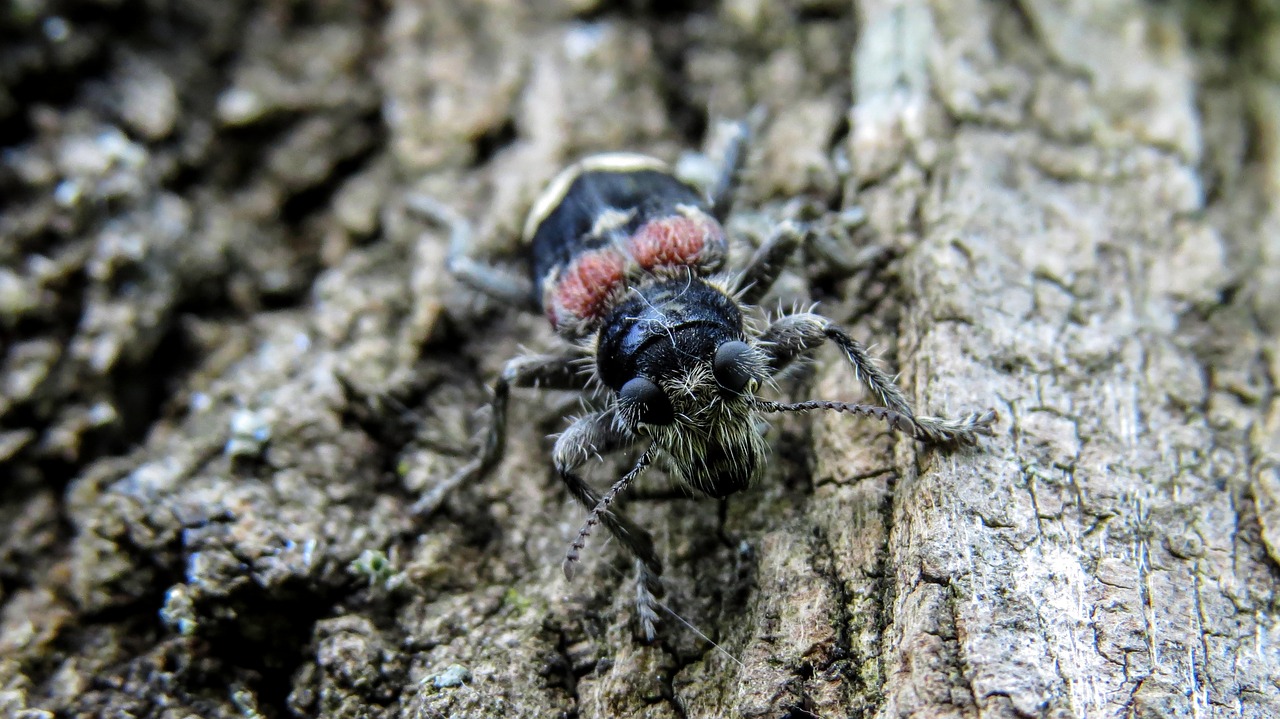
<point>652,405</point>
<point>731,367</point>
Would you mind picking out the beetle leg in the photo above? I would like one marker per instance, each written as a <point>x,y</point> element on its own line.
<point>762,270</point>
<point>601,508</point>
<point>734,157</point>
<point>546,371</point>
<point>597,434</point>
<point>502,284</point>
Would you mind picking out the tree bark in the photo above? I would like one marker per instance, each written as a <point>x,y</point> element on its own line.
<point>232,362</point>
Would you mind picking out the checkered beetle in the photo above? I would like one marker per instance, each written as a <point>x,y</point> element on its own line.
<point>627,265</point>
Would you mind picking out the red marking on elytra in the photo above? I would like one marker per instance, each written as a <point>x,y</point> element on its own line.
<point>587,283</point>
<point>675,241</point>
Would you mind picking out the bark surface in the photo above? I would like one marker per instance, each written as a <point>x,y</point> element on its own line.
<point>231,361</point>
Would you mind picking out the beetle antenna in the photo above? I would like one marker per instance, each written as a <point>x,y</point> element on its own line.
<point>896,420</point>
<point>571,557</point>
<point>935,430</point>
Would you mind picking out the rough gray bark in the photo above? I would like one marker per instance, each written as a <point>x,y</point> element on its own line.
<point>204,237</point>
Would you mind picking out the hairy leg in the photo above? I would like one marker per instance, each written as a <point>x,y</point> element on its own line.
<point>547,371</point>
<point>734,157</point>
<point>500,283</point>
<point>762,270</point>
<point>596,434</point>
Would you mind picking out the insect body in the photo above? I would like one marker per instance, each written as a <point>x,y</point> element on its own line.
<point>623,258</point>
<point>628,267</point>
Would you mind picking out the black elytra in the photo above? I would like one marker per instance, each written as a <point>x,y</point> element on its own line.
<point>633,187</point>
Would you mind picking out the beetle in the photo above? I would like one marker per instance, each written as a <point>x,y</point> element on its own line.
<point>627,262</point>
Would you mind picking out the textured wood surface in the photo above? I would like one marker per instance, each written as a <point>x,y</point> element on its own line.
<point>244,362</point>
